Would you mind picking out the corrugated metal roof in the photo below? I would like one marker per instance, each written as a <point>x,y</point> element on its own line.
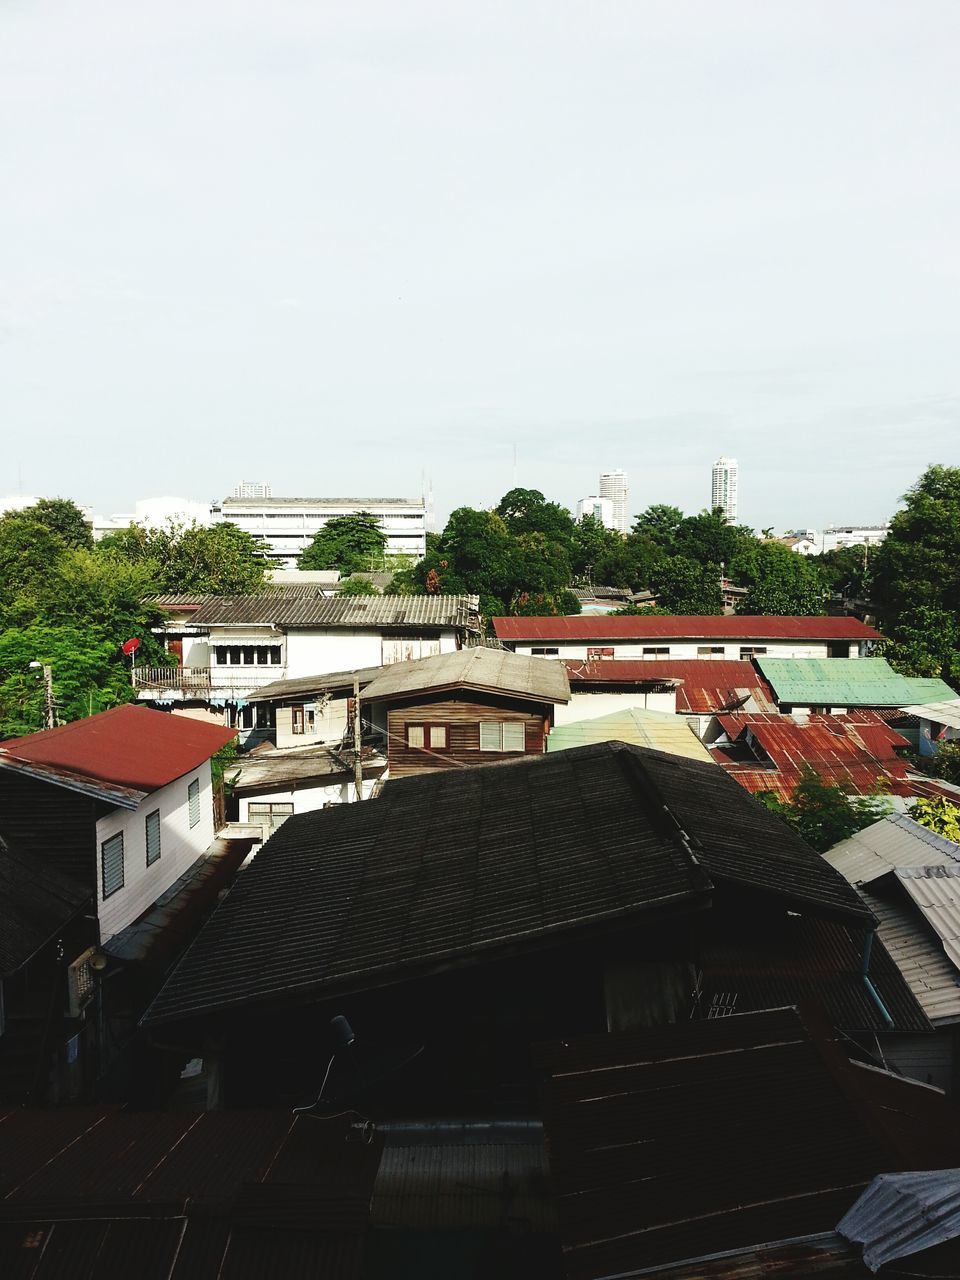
<point>494,670</point>
<point>901,1214</point>
<point>461,864</point>
<point>861,682</point>
<point>313,686</point>
<point>945,713</point>
<point>290,610</point>
<point>288,767</point>
<point>918,955</point>
<point>657,729</point>
<point>703,686</point>
<point>121,754</point>
<point>699,1138</point>
<point>36,901</point>
<point>322,502</point>
<point>895,841</point>
<point>936,891</point>
<point>682,627</point>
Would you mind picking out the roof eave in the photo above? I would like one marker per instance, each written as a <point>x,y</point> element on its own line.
<point>111,793</point>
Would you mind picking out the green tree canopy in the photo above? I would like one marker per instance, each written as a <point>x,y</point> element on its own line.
<point>65,519</point>
<point>823,814</point>
<point>220,559</point>
<point>351,543</point>
<point>778,581</point>
<point>685,587</point>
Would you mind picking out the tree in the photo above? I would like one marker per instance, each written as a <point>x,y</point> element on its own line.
<point>357,587</point>
<point>778,581</point>
<point>28,548</point>
<point>684,587</point>
<point>944,764</point>
<point>660,524</point>
<point>219,559</point>
<point>709,537</point>
<point>823,814</point>
<point>65,519</point>
<point>939,815</point>
<point>350,543</point>
<point>918,568</point>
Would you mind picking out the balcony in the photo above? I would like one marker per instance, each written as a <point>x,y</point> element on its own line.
<point>202,682</point>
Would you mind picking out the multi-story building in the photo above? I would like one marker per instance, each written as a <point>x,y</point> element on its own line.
<point>600,508</point>
<point>253,489</point>
<point>613,485</point>
<point>286,526</point>
<point>723,489</point>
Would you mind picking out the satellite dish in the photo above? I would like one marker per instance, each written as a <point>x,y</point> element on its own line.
<point>130,647</point>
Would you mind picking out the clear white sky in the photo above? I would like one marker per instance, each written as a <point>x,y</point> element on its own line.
<point>334,244</point>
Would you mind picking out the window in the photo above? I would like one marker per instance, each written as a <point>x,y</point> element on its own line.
<point>599,653</point>
<point>152,827</point>
<point>436,737</point>
<point>751,651</point>
<point>709,650</point>
<point>111,857</point>
<point>247,655</point>
<point>656,651</point>
<point>502,735</point>
<point>269,815</point>
<point>298,719</point>
<point>193,800</point>
<point>545,653</point>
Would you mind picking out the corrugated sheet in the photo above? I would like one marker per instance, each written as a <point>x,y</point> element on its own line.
<point>681,627</point>
<point>832,682</point>
<point>703,686</point>
<point>895,841</point>
<point>460,863</point>
<point>36,901</point>
<point>303,687</point>
<point>495,670</point>
<point>901,1214</point>
<point>699,1138</point>
<point>945,713</point>
<point>289,766</point>
<point>936,892</point>
<point>642,728</point>
<point>283,609</point>
<point>918,955</point>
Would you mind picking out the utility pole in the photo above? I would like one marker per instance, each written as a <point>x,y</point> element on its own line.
<point>49,708</point>
<point>358,759</point>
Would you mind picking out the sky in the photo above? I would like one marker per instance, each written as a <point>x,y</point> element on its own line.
<point>342,246</point>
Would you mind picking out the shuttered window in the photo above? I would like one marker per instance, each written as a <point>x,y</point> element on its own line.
<point>193,798</point>
<point>501,735</point>
<point>111,857</point>
<point>152,825</point>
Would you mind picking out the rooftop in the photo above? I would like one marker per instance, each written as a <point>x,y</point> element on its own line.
<point>234,501</point>
<point>917,952</point>
<point>285,767</point>
<point>865,682</point>
<point>305,687</point>
<point>119,756</point>
<point>36,901</point>
<point>682,627</point>
<point>703,685</point>
<point>492,670</point>
<point>293,609</point>
<point>461,865</point>
<point>657,729</point>
<point>895,841</point>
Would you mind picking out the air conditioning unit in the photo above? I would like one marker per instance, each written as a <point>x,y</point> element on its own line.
<point>81,983</point>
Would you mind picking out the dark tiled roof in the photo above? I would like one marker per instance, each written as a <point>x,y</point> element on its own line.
<point>109,1194</point>
<point>285,609</point>
<point>704,1137</point>
<point>462,863</point>
<point>681,627</point>
<point>36,901</point>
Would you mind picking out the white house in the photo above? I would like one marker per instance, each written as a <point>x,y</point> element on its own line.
<point>732,638</point>
<point>122,801</point>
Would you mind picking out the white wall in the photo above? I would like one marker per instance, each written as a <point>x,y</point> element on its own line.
<point>313,653</point>
<point>590,706</point>
<point>330,723</point>
<point>180,846</point>
<point>305,799</point>
<point>684,648</point>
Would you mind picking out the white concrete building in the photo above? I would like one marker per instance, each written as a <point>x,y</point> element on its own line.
<point>253,489</point>
<point>286,526</point>
<point>155,513</point>
<point>613,486</point>
<point>600,508</point>
<point>723,487</point>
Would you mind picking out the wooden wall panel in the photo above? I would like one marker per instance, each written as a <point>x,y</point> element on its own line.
<point>462,716</point>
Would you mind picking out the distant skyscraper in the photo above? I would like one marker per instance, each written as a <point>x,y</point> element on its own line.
<point>723,491</point>
<point>600,508</point>
<point>252,489</point>
<point>613,485</point>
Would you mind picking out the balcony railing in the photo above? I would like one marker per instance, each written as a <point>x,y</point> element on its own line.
<point>201,681</point>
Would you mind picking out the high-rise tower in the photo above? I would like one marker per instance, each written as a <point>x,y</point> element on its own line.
<point>613,485</point>
<point>723,490</point>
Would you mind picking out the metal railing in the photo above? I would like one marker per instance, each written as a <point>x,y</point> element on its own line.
<point>203,680</point>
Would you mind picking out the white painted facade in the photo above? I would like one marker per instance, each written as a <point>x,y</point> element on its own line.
<point>613,485</point>
<point>600,508</point>
<point>731,650</point>
<point>304,798</point>
<point>180,846</point>
<point>724,484</point>
<point>590,706</point>
<point>315,721</point>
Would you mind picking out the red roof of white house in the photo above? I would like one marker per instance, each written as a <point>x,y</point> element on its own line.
<point>119,755</point>
<point>590,627</point>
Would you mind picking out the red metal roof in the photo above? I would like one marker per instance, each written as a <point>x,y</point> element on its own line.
<point>706,685</point>
<point>127,747</point>
<point>855,755</point>
<point>682,627</point>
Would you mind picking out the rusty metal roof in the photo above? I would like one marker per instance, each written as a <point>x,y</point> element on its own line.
<point>703,686</point>
<point>107,1194</point>
<point>317,612</point>
<point>490,670</point>
<point>682,627</point>
<point>676,1144</point>
<point>120,755</point>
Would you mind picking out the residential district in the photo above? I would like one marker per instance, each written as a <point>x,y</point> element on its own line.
<point>556,894</point>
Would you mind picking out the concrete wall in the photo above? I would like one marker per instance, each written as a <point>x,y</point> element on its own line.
<point>590,706</point>
<point>305,799</point>
<point>180,846</point>
<point>683,648</point>
<point>329,723</point>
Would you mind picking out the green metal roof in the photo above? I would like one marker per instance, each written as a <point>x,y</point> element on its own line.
<point>641,728</point>
<point>848,682</point>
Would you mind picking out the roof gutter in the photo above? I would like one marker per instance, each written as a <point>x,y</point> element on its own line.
<point>871,989</point>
